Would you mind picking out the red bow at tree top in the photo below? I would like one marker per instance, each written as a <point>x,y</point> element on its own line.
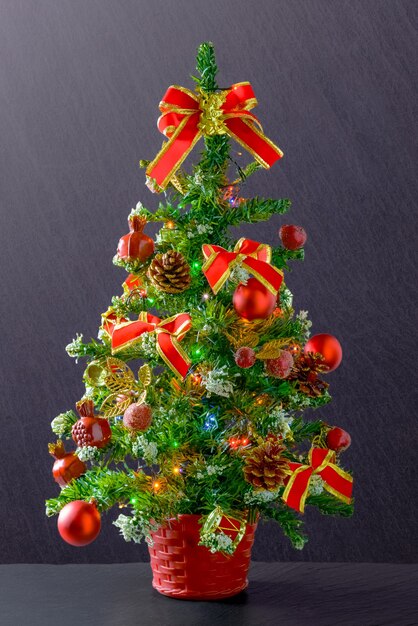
<point>187,116</point>
<point>169,332</point>
<point>322,463</point>
<point>253,256</point>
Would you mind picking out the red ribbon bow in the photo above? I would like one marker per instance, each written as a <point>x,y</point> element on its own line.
<point>169,332</point>
<point>321,463</point>
<point>253,256</point>
<point>187,116</point>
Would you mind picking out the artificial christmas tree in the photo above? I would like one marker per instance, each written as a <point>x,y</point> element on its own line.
<point>209,437</point>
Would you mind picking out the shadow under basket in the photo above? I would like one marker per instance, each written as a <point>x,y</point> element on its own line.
<point>183,569</point>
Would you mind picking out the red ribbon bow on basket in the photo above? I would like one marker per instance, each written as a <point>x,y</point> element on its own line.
<point>321,463</point>
<point>253,256</point>
<point>169,332</point>
<point>186,116</point>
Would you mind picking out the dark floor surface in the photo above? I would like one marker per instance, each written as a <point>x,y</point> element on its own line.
<point>296,594</point>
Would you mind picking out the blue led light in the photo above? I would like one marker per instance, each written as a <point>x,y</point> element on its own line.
<point>210,422</point>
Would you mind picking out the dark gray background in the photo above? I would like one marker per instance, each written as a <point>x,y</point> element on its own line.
<point>80,81</point>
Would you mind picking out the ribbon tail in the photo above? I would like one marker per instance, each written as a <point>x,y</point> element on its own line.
<point>268,275</point>
<point>173,354</point>
<point>297,488</point>
<point>337,482</point>
<point>253,140</point>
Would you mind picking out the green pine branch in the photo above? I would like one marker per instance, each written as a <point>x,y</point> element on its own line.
<point>289,522</point>
<point>257,210</point>
<point>106,487</point>
<point>330,505</point>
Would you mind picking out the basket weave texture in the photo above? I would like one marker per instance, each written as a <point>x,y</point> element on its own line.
<point>183,569</point>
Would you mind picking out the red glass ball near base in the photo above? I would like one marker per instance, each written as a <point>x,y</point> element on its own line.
<point>79,523</point>
<point>253,301</point>
<point>329,347</point>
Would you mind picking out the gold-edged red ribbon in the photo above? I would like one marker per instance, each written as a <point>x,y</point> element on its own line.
<point>253,256</point>
<point>187,116</point>
<point>125,333</point>
<point>131,283</point>
<point>321,463</point>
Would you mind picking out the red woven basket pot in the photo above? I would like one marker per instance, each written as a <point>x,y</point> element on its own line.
<point>183,569</point>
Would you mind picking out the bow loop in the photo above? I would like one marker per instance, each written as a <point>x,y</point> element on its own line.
<point>321,463</point>
<point>169,332</point>
<point>253,256</point>
<point>187,116</point>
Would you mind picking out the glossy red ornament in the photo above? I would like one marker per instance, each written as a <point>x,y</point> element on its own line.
<point>329,347</point>
<point>245,357</point>
<point>90,430</point>
<point>292,236</point>
<point>138,416</point>
<point>67,465</point>
<point>253,301</point>
<point>135,245</point>
<point>338,439</point>
<point>79,523</point>
<point>281,366</point>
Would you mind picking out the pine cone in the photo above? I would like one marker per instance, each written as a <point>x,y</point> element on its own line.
<point>170,272</point>
<point>266,468</point>
<point>305,371</point>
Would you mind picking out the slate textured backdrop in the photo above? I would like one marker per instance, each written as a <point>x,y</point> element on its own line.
<point>80,81</point>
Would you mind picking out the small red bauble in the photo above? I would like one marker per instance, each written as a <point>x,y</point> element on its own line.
<point>329,347</point>
<point>292,236</point>
<point>245,357</point>
<point>90,430</point>
<point>67,465</point>
<point>137,416</point>
<point>79,523</point>
<point>338,439</point>
<point>253,301</point>
<point>281,366</point>
<point>135,245</point>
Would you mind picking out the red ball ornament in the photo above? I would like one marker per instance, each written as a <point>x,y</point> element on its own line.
<point>67,465</point>
<point>253,301</point>
<point>138,416</point>
<point>135,245</point>
<point>281,366</point>
<point>245,357</point>
<point>79,523</point>
<point>329,347</point>
<point>90,430</point>
<point>292,236</point>
<point>338,439</point>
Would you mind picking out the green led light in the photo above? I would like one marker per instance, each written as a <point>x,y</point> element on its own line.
<point>133,500</point>
<point>150,300</point>
<point>175,444</point>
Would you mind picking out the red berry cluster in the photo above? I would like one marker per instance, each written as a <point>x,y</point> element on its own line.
<point>245,357</point>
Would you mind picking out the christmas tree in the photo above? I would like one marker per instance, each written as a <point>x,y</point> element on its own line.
<point>197,383</point>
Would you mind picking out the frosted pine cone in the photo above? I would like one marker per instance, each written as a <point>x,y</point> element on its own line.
<point>266,468</point>
<point>170,272</point>
<point>305,372</point>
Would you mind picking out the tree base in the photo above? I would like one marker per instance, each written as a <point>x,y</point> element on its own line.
<point>182,569</point>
